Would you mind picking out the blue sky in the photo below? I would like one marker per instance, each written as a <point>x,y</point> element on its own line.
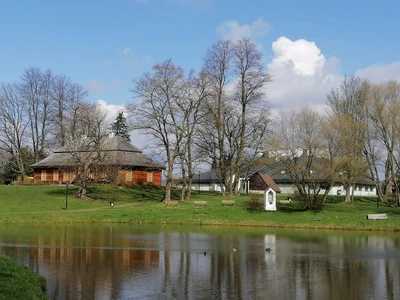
<point>308,46</point>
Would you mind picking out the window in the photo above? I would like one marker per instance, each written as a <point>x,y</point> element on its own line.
<point>55,175</point>
<point>43,177</point>
<point>66,176</point>
<point>128,175</point>
<point>150,177</point>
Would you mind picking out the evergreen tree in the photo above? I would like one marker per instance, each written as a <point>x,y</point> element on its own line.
<point>120,128</point>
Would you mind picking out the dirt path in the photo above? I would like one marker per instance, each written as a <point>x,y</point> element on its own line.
<point>103,208</point>
<point>74,210</point>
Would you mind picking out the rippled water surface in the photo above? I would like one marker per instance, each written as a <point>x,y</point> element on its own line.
<point>169,262</point>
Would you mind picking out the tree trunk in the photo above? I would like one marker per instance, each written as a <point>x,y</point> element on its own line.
<point>82,190</point>
<point>347,198</point>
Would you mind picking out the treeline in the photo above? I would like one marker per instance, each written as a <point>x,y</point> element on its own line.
<point>219,116</point>
<point>40,112</point>
<point>358,135</point>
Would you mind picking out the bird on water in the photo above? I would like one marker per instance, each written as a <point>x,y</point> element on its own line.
<point>235,249</point>
<point>205,253</point>
<point>268,249</point>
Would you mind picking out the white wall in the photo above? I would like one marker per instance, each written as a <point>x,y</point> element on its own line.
<point>368,191</point>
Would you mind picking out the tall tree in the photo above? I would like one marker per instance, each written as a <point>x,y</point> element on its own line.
<point>66,95</point>
<point>348,110</point>
<point>384,125</point>
<point>35,88</point>
<point>236,84</point>
<point>157,113</point>
<point>190,104</point>
<point>85,143</point>
<point>250,94</point>
<point>217,69</point>
<point>298,148</point>
<point>120,128</point>
<point>14,122</point>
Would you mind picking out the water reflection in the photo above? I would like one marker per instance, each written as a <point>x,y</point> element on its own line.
<point>149,262</point>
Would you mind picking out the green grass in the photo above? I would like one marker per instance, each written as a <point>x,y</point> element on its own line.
<point>18,282</point>
<point>46,204</point>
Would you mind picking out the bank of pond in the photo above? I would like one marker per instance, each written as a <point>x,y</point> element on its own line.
<point>19,283</point>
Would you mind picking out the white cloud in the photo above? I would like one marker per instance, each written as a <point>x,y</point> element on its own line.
<point>112,110</point>
<point>234,31</point>
<point>139,140</point>
<point>301,57</point>
<point>301,75</point>
<point>380,73</point>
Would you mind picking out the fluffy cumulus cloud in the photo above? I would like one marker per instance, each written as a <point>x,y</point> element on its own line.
<point>111,110</point>
<point>234,31</point>
<point>301,74</point>
<point>301,57</point>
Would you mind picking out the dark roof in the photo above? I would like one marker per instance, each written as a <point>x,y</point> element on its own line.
<point>276,170</point>
<point>114,151</point>
<point>209,176</point>
<point>279,173</point>
<point>270,182</point>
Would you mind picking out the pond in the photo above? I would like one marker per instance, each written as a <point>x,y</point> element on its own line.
<point>180,262</point>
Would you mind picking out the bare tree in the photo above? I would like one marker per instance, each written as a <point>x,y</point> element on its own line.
<point>158,113</point>
<point>35,89</point>
<point>85,143</point>
<point>66,96</point>
<point>14,122</point>
<point>300,150</point>
<point>250,94</point>
<point>217,69</point>
<point>384,107</point>
<point>195,93</point>
<point>237,96</point>
<point>351,166</point>
<point>348,110</point>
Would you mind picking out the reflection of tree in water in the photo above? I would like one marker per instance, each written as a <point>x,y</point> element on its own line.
<point>118,264</point>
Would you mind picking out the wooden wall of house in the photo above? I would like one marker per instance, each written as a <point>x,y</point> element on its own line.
<point>128,177</point>
<point>257,184</point>
<point>54,176</point>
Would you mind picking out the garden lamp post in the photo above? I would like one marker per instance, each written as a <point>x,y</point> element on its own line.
<point>66,196</point>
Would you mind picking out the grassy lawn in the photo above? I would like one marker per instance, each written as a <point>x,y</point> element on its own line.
<point>18,282</point>
<point>47,204</point>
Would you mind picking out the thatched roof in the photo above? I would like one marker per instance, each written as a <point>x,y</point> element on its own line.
<point>114,151</point>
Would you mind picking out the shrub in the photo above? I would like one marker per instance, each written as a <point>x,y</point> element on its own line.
<point>255,203</point>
